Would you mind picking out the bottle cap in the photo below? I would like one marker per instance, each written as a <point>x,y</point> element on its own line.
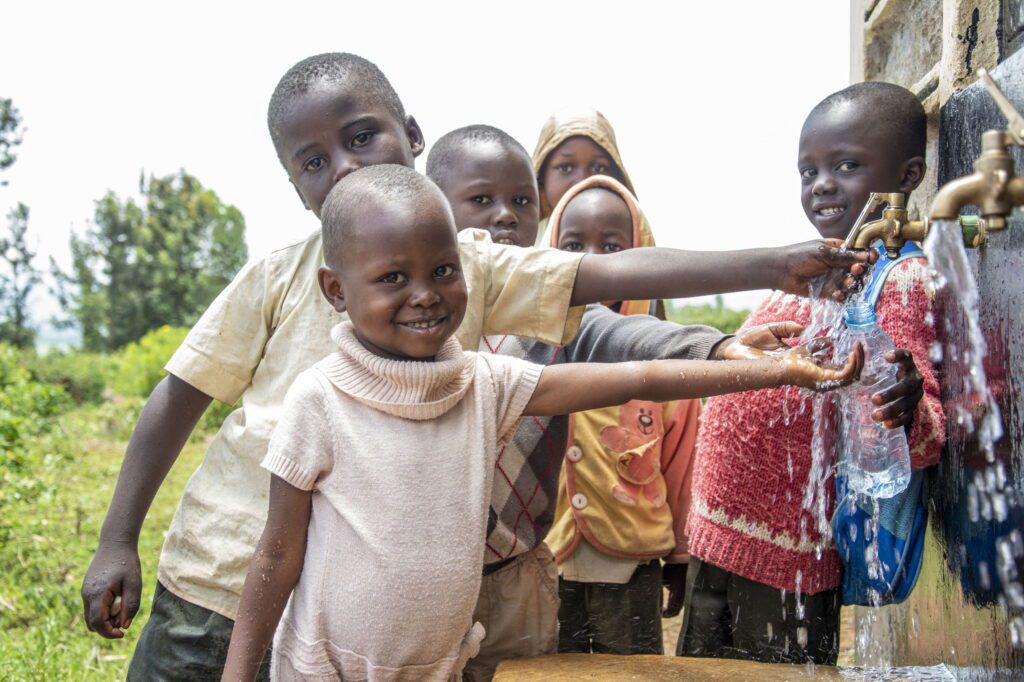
<point>860,314</point>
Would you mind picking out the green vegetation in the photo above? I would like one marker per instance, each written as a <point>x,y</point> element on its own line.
<point>718,316</point>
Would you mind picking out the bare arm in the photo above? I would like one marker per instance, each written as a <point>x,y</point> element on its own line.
<point>273,573</point>
<point>563,389</point>
<point>164,426</point>
<point>670,273</point>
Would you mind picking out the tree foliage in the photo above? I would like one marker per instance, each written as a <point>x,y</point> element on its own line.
<point>10,134</point>
<point>17,281</point>
<point>157,261</point>
<point>724,319</point>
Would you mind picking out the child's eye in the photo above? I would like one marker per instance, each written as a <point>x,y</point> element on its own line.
<point>314,164</point>
<point>392,278</point>
<point>611,248</point>
<point>481,199</point>
<point>362,139</point>
<point>571,246</point>
<point>565,168</point>
<point>808,173</point>
<point>520,201</point>
<point>444,271</point>
<point>600,169</point>
<point>848,166</point>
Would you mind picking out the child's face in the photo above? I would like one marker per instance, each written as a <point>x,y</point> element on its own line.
<point>333,130</point>
<point>842,159</point>
<point>492,187</point>
<point>401,281</point>
<point>574,160</point>
<point>596,222</point>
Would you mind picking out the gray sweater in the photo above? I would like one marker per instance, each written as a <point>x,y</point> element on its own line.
<point>526,476</point>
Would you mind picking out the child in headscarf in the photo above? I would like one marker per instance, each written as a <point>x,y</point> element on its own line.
<point>624,490</point>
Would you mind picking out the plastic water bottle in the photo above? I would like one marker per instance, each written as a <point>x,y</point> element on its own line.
<point>879,459</point>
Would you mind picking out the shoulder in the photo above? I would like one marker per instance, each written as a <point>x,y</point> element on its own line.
<point>309,386</point>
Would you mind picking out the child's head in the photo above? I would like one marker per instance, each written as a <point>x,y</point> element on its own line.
<point>596,221</point>
<point>867,138</point>
<point>333,113</point>
<point>573,146</point>
<point>488,179</point>
<point>392,261</point>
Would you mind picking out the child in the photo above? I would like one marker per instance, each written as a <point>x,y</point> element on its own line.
<point>386,590</point>
<point>624,492</point>
<point>750,536</point>
<point>488,179</point>
<point>329,115</point>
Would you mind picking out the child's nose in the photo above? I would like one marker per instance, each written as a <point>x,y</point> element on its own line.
<point>824,184</point>
<point>343,165</point>
<point>424,297</point>
<point>506,216</point>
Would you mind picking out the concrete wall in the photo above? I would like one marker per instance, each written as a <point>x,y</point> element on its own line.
<point>968,608</point>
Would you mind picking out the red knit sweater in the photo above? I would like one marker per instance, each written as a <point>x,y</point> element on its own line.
<point>752,467</point>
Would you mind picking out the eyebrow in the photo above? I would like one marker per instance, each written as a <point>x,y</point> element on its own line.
<point>362,120</point>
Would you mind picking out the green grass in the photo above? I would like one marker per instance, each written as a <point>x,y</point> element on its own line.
<point>42,632</point>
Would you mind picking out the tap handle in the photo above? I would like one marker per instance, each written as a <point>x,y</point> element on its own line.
<point>875,199</point>
<point>1014,121</point>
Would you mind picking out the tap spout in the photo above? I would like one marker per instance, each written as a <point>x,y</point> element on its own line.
<point>958,193</point>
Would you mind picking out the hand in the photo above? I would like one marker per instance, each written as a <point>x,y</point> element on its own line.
<point>756,342</point>
<point>804,366</point>
<point>900,400</point>
<point>801,263</point>
<point>114,572</point>
<point>673,579</point>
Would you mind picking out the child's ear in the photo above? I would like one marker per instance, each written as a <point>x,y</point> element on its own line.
<point>330,286</point>
<point>415,135</point>
<point>913,174</point>
<point>301,198</point>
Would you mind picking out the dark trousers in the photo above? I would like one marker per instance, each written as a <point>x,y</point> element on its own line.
<point>728,616</point>
<point>182,641</point>
<point>605,618</point>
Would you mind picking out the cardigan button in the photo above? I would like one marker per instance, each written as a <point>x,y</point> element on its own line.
<point>579,501</point>
<point>574,454</point>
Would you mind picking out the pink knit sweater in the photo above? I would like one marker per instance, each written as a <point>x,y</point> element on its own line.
<point>752,466</point>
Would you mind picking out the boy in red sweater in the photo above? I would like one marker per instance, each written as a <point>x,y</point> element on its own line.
<point>763,583</point>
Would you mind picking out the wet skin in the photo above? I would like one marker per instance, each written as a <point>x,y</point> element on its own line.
<point>401,281</point>
<point>332,131</point>
<point>574,160</point>
<point>492,187</point>
<point>844,156</point>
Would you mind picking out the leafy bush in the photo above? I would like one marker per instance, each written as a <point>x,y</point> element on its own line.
<point>84,376</point>
<point>140,365</point>
<point>718,316</point>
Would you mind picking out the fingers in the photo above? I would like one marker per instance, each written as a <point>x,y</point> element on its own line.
<point>904,358</point>
<point>854,363</point>
<point>97,614</point>
<point>131,598</point>
<point>909,386</point>
<point>899,412</point>
<point>785,330</point>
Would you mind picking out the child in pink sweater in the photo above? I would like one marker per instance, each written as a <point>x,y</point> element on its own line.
<point>383,459</point>
<point>763,582</point>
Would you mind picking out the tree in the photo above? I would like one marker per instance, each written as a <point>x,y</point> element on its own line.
<point>718,316</point>
<point>146,264</point>
<point>10,136</point>
<point>17,282</point>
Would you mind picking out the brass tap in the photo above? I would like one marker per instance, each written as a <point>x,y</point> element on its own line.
<point>994,186</point>
<point>894,228</point>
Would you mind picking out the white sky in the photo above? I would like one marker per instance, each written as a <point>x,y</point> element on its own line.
<point>706,98</point>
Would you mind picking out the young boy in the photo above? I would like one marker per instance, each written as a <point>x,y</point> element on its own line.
<point>329,115</point>
<point>386,591</point>
<point>763,582</point>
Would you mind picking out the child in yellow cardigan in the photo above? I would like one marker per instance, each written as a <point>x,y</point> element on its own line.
<point>624,490</point>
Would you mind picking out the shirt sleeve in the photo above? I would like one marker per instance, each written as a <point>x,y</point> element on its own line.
<point>678,458</point>
<point>514,382</point>
<point>300,450</point>
<point>902,308</point>
<point>527,291</point>
<point>606,336</point>
<point>221,352</point>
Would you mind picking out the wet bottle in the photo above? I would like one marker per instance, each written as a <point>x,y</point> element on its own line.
<point>878,462</point>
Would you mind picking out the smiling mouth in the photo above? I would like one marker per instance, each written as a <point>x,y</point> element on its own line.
<point>830,211</point>
<point>430,325</point>
<point>507,240</point>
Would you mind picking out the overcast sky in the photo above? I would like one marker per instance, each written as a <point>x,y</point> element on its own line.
<point>707,99</point>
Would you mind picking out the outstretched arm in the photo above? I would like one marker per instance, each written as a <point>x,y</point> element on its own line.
<point>563,389</point>
<point>669,273</point>
<point>273,573</point>
<point>167,420</point>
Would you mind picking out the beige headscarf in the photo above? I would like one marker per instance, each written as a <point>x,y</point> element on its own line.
<point>642,235</point>
<point>567,123</point>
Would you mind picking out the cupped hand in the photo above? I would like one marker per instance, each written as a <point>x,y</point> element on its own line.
<point>843,268</point>
<point>756,342</point>
<point>898,403</point>
<point>114,572</point>
<point>807,366</point>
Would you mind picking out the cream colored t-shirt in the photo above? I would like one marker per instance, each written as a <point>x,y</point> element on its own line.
<point>266,327</point>
<point>399,457</point>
